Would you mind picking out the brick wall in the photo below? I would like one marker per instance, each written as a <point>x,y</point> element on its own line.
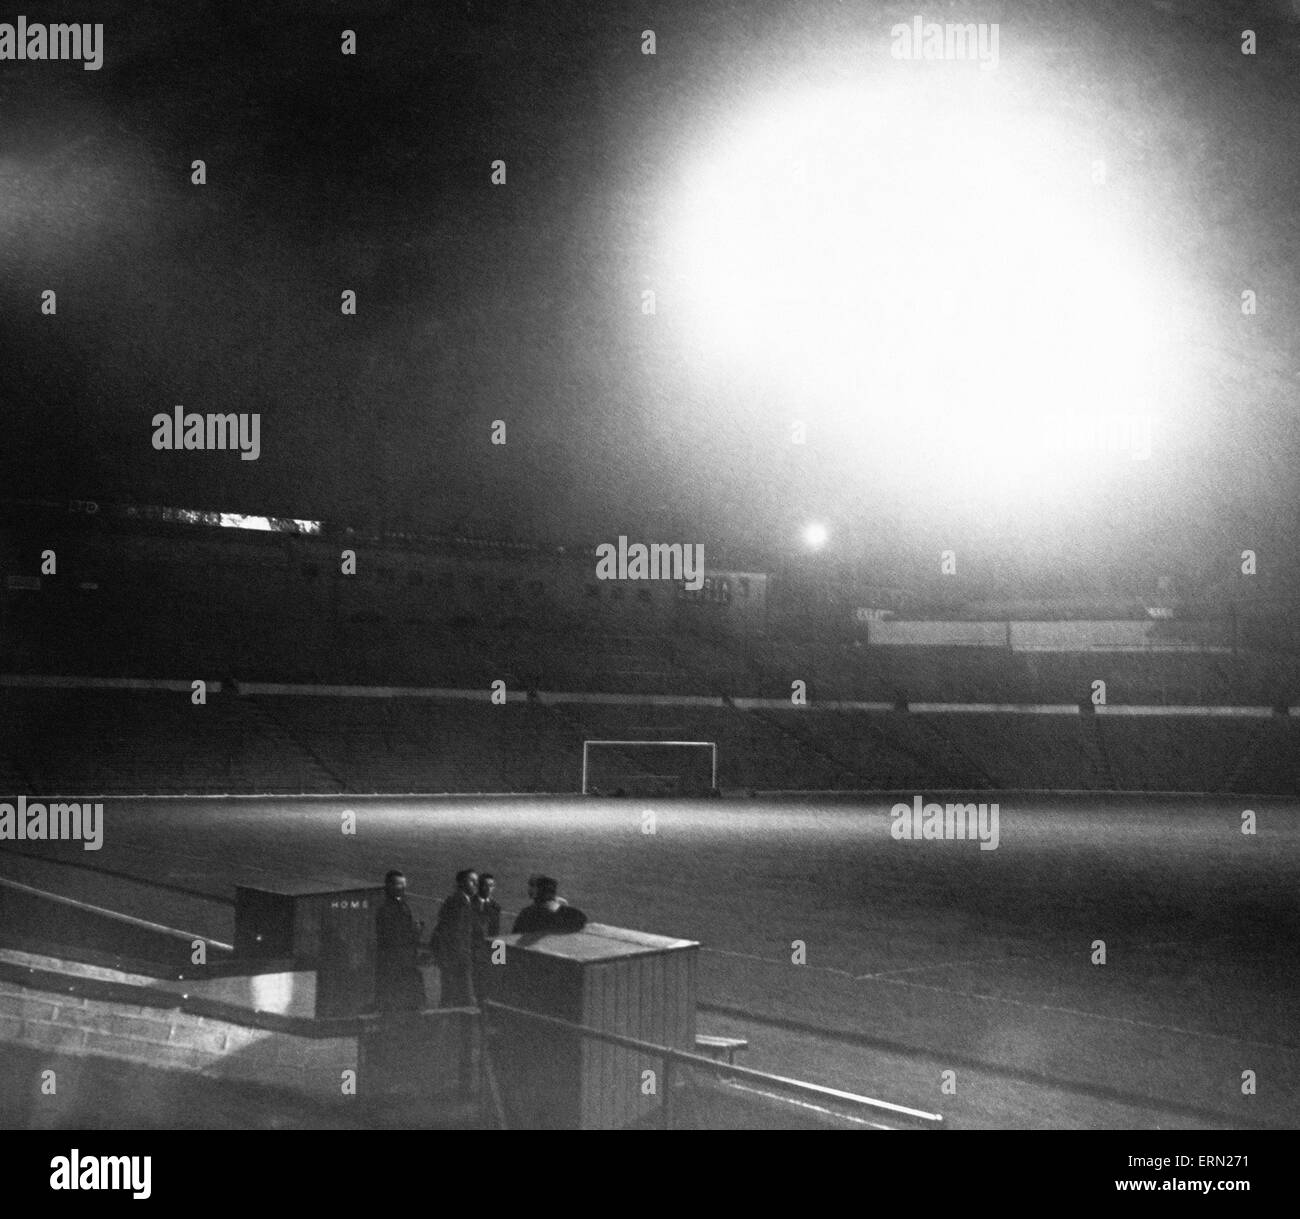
<point>168,1038</point>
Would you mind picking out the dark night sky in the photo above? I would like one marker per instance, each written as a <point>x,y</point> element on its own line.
<point>522,302</point>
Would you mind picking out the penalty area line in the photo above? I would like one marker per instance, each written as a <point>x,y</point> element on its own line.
<point>1024,1004</point>
<point>1078,1013</point>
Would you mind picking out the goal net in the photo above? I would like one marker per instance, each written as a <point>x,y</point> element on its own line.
<point>649,768</point>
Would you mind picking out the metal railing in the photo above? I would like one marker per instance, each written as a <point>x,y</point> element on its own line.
<point>881,1115</point>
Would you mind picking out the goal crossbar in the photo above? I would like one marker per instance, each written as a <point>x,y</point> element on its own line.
<point>711,746</point>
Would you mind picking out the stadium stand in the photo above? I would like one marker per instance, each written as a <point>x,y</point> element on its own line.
<point>996,675</point>
<point>95,740</point>
<point>420,745</point>
<point>1029,751</point>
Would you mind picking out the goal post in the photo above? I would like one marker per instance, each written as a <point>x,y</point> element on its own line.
<point>649,767</point>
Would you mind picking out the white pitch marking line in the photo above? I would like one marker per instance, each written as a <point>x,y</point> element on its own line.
<point>911,969</point>
<point>749,956</point>
<point>1006,960</point>
<point>1074,1011</point>
<point>1033,1007</point>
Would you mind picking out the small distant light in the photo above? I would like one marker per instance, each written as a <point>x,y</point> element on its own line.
<point>816,535</point>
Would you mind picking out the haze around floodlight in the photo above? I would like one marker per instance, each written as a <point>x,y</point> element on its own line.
<point>926,272</point>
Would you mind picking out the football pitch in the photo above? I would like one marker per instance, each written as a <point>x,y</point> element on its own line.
<point>1114,963</point>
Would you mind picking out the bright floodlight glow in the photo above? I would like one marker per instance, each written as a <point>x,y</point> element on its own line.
<point>816,535</point>
<point>925,269</point>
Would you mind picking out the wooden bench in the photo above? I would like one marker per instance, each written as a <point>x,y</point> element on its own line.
<point>721,1047</point>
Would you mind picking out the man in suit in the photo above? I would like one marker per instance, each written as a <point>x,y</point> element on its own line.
<point>488,909</point>
<point>399,985</point>
<point>456,940</point>
<point>489,923</point>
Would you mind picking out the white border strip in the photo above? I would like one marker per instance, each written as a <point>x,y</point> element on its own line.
<point>39,681</point>
<point>1178,711</point>
<point>996,708</point>
<point>458,692</point>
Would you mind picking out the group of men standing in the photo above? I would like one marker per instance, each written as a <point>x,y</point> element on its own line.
<point>469,920</point>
